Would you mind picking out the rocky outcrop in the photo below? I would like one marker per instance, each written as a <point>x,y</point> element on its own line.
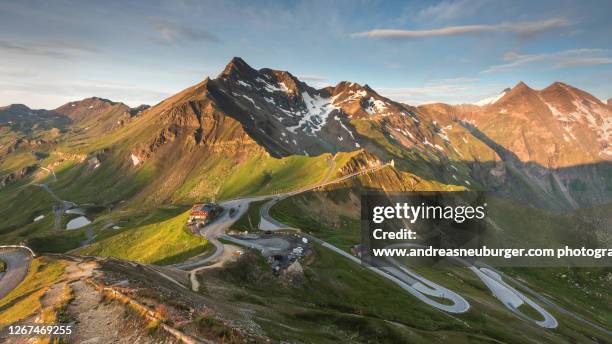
<point>361,161</point>
<point>18,175</point>
<point>293,275</point>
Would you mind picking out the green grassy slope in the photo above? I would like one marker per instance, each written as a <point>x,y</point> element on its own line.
<point>19,205</point>
<point>164,242</point>
<point>249,221</point>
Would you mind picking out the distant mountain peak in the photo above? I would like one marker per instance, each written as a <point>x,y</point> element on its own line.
<point>558,84</point>
<point>521,86</point>
<point>521,89</point>
<point>237,66</point>
<point>104,100</point>
<point>17,108</point>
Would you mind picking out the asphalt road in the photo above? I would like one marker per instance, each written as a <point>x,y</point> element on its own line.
<point>506,294</point>
<point>548,302</point>
<point>58,210</point>
<point>216,229</point>
<point>18,262</point>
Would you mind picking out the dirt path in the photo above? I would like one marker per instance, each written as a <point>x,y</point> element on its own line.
<point>228,255</point>
<point>100,321</point>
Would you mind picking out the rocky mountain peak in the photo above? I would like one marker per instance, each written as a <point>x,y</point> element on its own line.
<point>521,87</point>
<point>557,84</point>
<point>521,93</point>
<point>238,68</point>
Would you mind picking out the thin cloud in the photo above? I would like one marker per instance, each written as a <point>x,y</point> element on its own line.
<point>312,78</point>
<point>50,49</point>
<point>583,61</point>
<point>558,60</point>
<point>449,10</point>
<point>172,33</point>
<point>521,29</point>
<point>316,81</point>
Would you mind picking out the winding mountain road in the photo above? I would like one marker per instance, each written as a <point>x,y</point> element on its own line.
<point>216,229</point>
<point>18,262</point>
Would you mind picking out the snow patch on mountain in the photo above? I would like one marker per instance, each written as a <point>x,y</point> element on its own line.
<point>376,106</point>
<point>271,88</point>
<point>337,118</point>
<point>315,115</point>
<point>242,83</point>
<point>353,96</point>
<point>135,159</point>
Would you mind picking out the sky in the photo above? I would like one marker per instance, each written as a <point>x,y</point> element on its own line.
<point>453,51</point>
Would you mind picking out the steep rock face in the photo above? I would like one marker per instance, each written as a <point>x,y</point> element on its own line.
<point>359,162</point>
<point>282,113</point>
<point>288,117</point>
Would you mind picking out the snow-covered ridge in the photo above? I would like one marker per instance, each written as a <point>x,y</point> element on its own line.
<point>490,100</point>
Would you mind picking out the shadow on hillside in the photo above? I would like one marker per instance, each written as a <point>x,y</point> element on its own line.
<point>557,189</point>
<point>561,188</point>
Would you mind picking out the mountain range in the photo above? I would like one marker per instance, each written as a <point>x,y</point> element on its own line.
<point>250,131</point>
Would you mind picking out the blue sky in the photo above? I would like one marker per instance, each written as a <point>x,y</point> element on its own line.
<point>52,52</point>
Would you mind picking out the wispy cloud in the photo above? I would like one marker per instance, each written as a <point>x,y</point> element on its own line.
<point>521,29</point>
<point>169,32</point>
<point>558,60</point>
<point>449,10</point>
<point>307,77</point>
<point>48,49</point>
<point>314,80</point>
